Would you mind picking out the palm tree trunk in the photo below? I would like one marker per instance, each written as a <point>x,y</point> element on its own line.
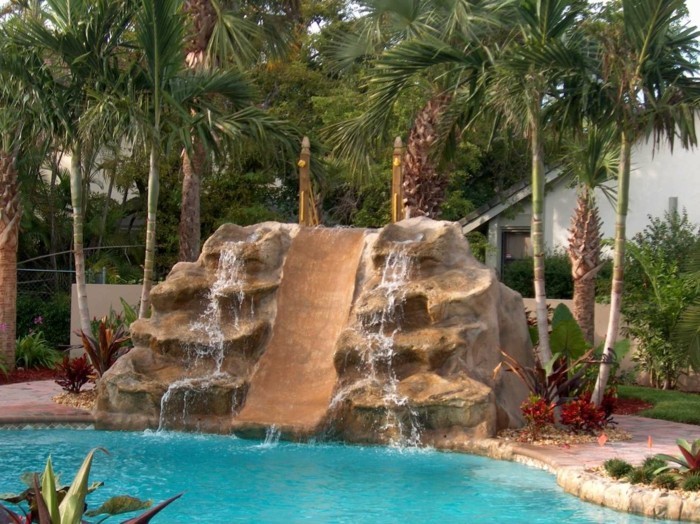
<point>423,187</point>
<point>190,222</point>
<point>623,186</point>
<point>10,214</point>
<point>153,188</point>
<point>76,190</point>
<point>584,254</point>
<point>203,18</point>
<point>537,233</point>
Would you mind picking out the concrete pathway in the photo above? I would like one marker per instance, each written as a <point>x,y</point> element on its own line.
<point>662,436</point>
<point>30,403</point>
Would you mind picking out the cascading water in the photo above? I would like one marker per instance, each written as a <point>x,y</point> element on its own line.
<point>380,330</point>
<point>208,328</point>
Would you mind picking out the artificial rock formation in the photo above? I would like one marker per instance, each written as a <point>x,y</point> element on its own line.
<point>416,330</point>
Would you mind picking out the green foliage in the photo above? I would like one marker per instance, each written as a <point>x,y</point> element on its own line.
<point>566,338</point>
<point>640,475</point>
<point>518,275</point>
<point>653,463</point>
<point>33,351</point>
<point>675,406</point>
<point>686,463</point>
<point>54,504</point>
<point>691,483</point>
<point>665,481</point>
<point>656,294</point>
<point>54,313</point>
<point>617,468</point>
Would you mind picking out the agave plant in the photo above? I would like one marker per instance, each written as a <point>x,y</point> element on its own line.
<point>52,504</point>
<point>688,463</point>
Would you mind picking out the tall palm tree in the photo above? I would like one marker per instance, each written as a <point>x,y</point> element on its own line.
<point>434,45</point>
<point>77,43</point>
<point>175,101</point>
<point>221,35</point>
<point>648,68</point>
<point>544,52</point>
<point>10,214</point>
<point>592,161</point>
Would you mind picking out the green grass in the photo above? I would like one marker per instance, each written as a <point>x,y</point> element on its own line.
<point>675,406</point>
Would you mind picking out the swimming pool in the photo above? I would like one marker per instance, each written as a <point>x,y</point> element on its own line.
<point>232,480</point>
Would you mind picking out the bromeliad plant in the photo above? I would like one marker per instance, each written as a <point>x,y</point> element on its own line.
<point>687,464</point>
<point>53,504</point>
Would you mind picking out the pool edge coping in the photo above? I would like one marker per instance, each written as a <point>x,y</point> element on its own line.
<point>589,486</point>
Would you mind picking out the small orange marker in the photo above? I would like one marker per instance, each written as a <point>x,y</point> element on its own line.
<point>602,439</point>
<point>650,442</point>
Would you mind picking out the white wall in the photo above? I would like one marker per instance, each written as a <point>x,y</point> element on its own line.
<point>655,177</point>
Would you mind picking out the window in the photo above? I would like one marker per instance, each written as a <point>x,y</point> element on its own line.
<point>515,245</point>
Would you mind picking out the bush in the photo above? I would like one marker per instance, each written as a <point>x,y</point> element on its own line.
<point>665,481</point>
<point>537,412</point>
<point>518,275</point>
<point>640,475</point>
<point>72,375</point>
<point>656,294</point>
<point>32,351</point>
<point>582,416</point>
<point>691,483</point>
<point>653,463</point>
<point>54,315</point>
<point>617,468</point>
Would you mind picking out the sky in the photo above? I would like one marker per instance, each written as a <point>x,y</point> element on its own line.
<point>694,9</point>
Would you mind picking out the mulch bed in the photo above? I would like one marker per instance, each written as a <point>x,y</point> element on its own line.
<point>630,406</point>
<point>27,375</point>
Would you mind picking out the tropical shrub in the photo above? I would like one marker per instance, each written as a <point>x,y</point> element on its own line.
<point>33,351</point>
<point>50,503</point>
<point>580,415</point>
<point>106,348</point>
<point>617,468</point>
<point>73,374</point>
<point>54,312</point>
<point>691,483</point>
<point>657,293</point>
<point>518,275</point>
<point>640,475</point>
<point>688,463</point>
<point>665,481</point>
<point>538,412</point>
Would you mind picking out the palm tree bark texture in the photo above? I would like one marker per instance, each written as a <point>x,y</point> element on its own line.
<point>202,18</point>
<point>10,214</point>
<point>584,253</point>
<point>423,186</point>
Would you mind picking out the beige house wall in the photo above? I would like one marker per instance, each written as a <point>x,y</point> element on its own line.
<point>101,298</point>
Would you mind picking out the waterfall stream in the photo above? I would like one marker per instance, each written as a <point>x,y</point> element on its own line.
<point>209,333</point>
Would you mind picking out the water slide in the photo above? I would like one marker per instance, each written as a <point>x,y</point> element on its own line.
<point>292,387</point>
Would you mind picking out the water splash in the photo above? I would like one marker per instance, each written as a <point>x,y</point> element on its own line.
<point>272,437</point>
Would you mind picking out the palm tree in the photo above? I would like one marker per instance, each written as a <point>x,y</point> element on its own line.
<point>76,43</point>
<point>435,46</point>
<point>10,214</point>
<point>175,101</point>
<point>647,68</point>
<point>592,161</point>
<point>535,68</point>
<point>220,35</point>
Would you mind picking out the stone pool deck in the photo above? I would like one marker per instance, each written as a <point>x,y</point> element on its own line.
<point>29,404</point>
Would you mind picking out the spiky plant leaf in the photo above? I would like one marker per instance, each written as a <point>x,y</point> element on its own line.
<point>120,504</point>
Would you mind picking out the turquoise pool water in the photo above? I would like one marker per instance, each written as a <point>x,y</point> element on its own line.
<point>232,480</point>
